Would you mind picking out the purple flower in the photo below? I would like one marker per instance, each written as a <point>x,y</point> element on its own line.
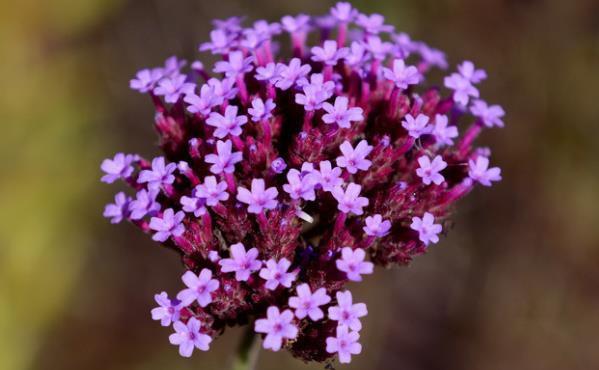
<point>144,204</point>
<point>188,336</point>
<point>299,187</point>
<point>312,97</point>
<point>199,288</point>
<point>343,12</point>
<point>353,264</point>
<point>479,170</point>
<point>230,25</point>
<point>374,23</point>
<point>265,30</point>
<point>119,209</point>
<point>236,65</point>
<point>402,75</point>
<point>289,74</point>
<point>328,54</point>
<point>212,191</point>
<point>173,87</point>
<point>346,313</point>
<point>350,199</point>
<point>307,303</point>
<point>277,326</point>
<point>462,88</point>
<point>297,24</point>
<point>120,167</point>
<point>275,273</point>
<point>219,42</point>
<point>203,103</point>
<point>415,126</point>
<point>229,124</point>
<point>261,110</point>
<point>146,79</point>
<point>194,204</point>
<point>169,310</point>
<point>258,199</point>
<point>432,56</point>
<point>489,115</point>
<point>269,72</point>
<point>469,72</point>
<point>160,174</point>
<point>172,66</point>
<point>242,263</point>
<point>356,56</point>
<point>427,229</point>
<point>170,224</point>
<point>345,344</point>
<point>223,89</point>
<point>379,50</point>
<point>224,160</point>
<point>429,171</point>
<point>328,177</point>
<point>278,165</point>
<point>376,226</point>
<point>442,132</point>
<point>340,114</point>
<point>354,159</point>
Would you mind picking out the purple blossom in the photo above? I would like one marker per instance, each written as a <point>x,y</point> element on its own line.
<point>236,65</point>
<point>276,273</point>
<point>188,336</point>
<point>432,56</point>
<point>299,187</point>
<point>146,79</point>
<point>429,171</point>
<point>212,191</point>
<point>327,177</point>
<point>373,24</point>
<point>379,50</point>
<point>144,204</point>
<point>307,303</point>
<point>353,264</point>
<point>173,87</point>
<point>169,310</point>
<point>289,74</point>
<point>478,170</point>
<point>402,75</point>
<point>278,165</point>
<point>345,344</point>
<point>462,88</point>
<point>427,229</point>
<point>259,198</point>
<point>328,54</point>
<point>469,72</point>
<point>354,159</point>
<point>160,174</point>
<point>231,25</point>
<point>270,72</point>
<point>357,55</point>
<point>343,12</point>
<point>489,115</point>
<point>415,126</point>
<point>297,24</point>
<point>228,124</point>
<point>170,224</point>
<point>265,30</point>
<point>199,288</point>
<point>341,114</point>
<point>350,199</point>
<point>202,103</point>
<point>194,204</point>
<point>223,90</point>
<point>277,326</point>
<point>376,226</point>
<point>261,110</point>
<point>312,97</point>
<point>224,160</point>
<point>120,167</point>
<point>118,210</point>
<point>347,313</point>
<point>442,132</point>
<point>219,42</point>
<point>242,263</point>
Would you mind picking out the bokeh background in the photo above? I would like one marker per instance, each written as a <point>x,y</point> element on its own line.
<point>514,286</point>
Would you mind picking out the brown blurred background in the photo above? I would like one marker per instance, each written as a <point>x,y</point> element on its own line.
<point>514,286</point>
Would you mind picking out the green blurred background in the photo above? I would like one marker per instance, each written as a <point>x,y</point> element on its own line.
<point>514,286</point>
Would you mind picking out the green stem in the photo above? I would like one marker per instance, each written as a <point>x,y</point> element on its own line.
<point>247,352</point>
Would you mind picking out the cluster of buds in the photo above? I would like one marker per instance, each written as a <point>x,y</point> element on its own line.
<point>284,178</point>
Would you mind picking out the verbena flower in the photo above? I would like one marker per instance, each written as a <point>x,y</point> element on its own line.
<point>286,176</point>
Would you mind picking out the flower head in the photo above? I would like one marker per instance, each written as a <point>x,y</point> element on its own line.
<point>277,326</point>
<point>347,313</point>
<point>429,170</point>
<point>160,174</point>
<point>276,273</point>
<point>228,124</point>
<point>341,114</point>
<point>170,224</point>
<point>120,167</point>
<point>350,201</point>
<point>261,110</point>
<point>353,264</point>
<point>376,226</point>
<point>443,133</point>
<point>212,191</point>
<point>242,263</point>
<point>479,171</point>
<point>344,344</point>
<point>328,177</point>
<point>354,159</point>
<point>289,74</point>
<point>146,79</point>
<point>258,198</point>
<point>462,88</point>
<point>173,87</point>
<point>199,288</point>
<point>118,210</point>
<point>306,303</point>
<point>224,160</point>
<point>427,230</point>
<point>236,65</point>
<point>168,310</point>
<point>469,72</point>
<point>188,336</point>
<point>299,187</point>
<point>415,126</point>
<point>329,53</point>
<point>402,75</point>
<point>489,115</point>
<point>144,204</point>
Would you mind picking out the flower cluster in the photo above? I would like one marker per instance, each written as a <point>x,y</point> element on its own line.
<point>284,178</point>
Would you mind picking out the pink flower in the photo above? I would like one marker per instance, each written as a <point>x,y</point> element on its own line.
<point>347,313</point>
<point>402,75</point>
<point>327,177</point>
<point>427,230</point>
<point>489,115</point>
<point>479,170</point>
<point>199,288</point>
<point>341,114</point>
<point>188,336</point>
<point>170,224</point>
<point>345,344</point>
<point>307,303</point>
<point>169,310</point>
<point>229,124</point>
<point>376,226</point>
<point>277,326</point>
<point>350,199</point>
<point>242,263</point>
<point>329,54</point>
<point>275,273</point>
<point>212,191</point>
<point>429,171</point>
<point>258,199</point>
<point>353,264</point>
<point>354,159</point>
<point>236,65</point>
<point>469,72</point>
<point>442,132</point>
<point>224,160</point>
<point>299,187</point>
<point>462,88</point>
<point>415,126</point>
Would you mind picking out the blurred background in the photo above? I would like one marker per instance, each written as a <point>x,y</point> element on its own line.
<point>514,286</point>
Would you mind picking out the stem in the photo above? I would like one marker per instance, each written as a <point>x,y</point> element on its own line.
<point>247,352</point>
